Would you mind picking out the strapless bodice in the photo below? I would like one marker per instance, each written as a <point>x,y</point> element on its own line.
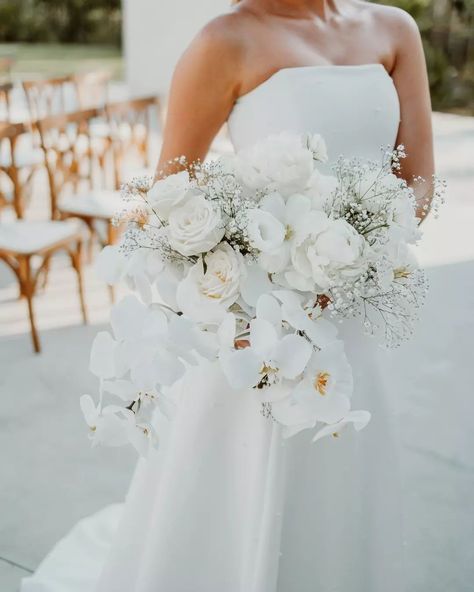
<point>355,108</point>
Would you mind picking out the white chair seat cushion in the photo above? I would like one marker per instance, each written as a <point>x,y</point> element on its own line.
<point>25,156</point>
<point>28,237</point>
<point>96,204</point>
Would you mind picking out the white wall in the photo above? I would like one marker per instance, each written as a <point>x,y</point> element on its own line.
<point>155,34</point>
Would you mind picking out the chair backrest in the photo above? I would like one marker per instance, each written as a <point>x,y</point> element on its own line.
<point>92,89</point>
<point>49,97</point>
<point>5,103</point>
<point>65,141</point>
<point>9,134</point>
<point>130,122</point>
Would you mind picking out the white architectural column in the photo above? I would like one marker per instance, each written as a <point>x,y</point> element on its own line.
<point>155,34</point>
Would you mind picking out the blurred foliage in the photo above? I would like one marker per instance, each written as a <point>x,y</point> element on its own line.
<point>61,21</point>
<point>447,30</point>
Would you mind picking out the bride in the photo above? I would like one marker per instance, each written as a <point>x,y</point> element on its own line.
<point>227,505</point>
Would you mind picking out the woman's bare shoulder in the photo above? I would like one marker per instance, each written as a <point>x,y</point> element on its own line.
<point>398,23</point>
<point>222,40</point>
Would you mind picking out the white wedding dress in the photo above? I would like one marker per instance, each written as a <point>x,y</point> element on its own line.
<point>226,505</point>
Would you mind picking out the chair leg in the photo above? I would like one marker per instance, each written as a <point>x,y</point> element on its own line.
<point>45,274</point>
<point>117,166</point>
<point>76,260</point>
<point>17,193</point>
<point>28,290</point>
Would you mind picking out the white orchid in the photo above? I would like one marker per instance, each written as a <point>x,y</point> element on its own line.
<point>358,418</point>
<point>282,224</point>
<point>116,426</point>
<point>272,356</point>
<point>105,425</point>
<point>322,395</point>
<point>306,319</point>
<point>138,346</point>
<point>140,269</point>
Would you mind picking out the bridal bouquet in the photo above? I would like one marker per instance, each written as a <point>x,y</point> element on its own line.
<point>247,262</point>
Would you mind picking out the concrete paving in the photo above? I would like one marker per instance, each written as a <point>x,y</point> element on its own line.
<point>50,477</point>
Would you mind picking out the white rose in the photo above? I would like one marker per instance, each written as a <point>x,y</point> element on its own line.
<point>169,193</point>
<point>266,233</point>
<point>317,145</point>
<point>280,161</point>
<point>208,290</point>
<point>328,254</point>
<point>195,227</point>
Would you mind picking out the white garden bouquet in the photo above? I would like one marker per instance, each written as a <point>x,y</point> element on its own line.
<point>248,261</point>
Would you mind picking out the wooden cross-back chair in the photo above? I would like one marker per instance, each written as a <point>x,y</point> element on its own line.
<point>19,157</point>
<point>92,89</point>
<point>50,96</point>
<point>73,182</point>
<point>65,94</point>
<point>24,242</point>
<point>130,124</point>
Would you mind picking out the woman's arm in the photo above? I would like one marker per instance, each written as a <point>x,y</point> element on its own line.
<point>415,132</point>
<point>204,88</point>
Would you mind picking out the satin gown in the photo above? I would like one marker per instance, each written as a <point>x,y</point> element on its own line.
<point>226,505</point>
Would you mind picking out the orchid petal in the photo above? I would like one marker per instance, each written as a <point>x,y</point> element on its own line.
<point>128,318</point>
<point>226,331</point>
<point>241,368</point>
<point>291,355</point>
<point>254,284</point>
<point>124,389</point>
<point>359,418</point>
<point>269,310</point>
<point>263,337</point>
<point>89,410</point>
<point>110,264</point>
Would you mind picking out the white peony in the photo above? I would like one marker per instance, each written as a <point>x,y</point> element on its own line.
<point>280,162</point>
<point>196,227</point>
<point>208,290</point>
<point>330,253</point>
<point>168,193</point>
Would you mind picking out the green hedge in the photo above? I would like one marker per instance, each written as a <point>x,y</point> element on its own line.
<point>61,21</point>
